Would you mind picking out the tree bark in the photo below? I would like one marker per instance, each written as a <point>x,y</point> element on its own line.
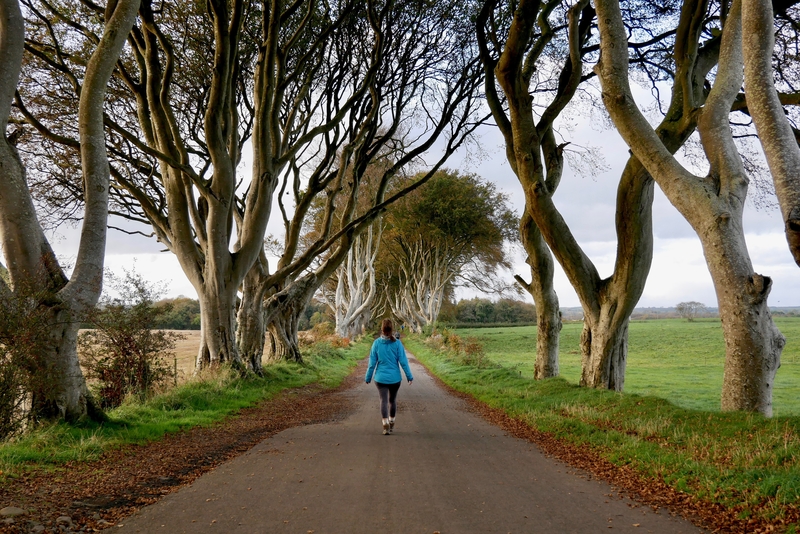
<point>283,316</point>
<point>604,349</point>
<point>774,131</point>
<point>251,325</point>
<point>548,315</point>
<point>64,395</point>
<point>282,344</point>
<point>753,344</point>
<point>355,284</point>
<point>217,327</point>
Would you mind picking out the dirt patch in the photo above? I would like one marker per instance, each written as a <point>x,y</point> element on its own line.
<point>95,495</point>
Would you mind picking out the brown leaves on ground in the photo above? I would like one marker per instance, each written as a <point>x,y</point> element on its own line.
<point>97,494</point>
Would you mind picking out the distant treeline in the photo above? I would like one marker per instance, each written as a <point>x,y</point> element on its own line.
<point>184,314</point>
<point>480,311</point>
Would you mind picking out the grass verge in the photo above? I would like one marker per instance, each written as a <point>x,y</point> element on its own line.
<point>669,358</point>
<point>202,401</point>
<point>742,461</point>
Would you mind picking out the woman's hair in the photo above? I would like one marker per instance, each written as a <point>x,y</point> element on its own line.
<point>387,329</point>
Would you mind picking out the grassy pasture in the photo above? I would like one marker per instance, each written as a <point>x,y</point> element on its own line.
<point>668,358</point>
<point>186,352</point>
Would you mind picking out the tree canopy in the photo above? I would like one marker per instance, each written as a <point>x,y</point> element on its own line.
<point>451,232</point>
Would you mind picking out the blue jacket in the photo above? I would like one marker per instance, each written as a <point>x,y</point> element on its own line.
<point>385,360</point>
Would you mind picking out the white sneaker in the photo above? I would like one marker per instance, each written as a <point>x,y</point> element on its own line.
<point>386,426</point>
<point>391,424</point>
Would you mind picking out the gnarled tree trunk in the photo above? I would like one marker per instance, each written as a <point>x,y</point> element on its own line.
<point>712,204</point>
<point>32,265</point>
<point>283,316</point>
<point>217,328</point>
<point>604,349</point>
<point>355,284</point>
<point>753,344</point>
<point>250,319</point>
<point>282,342</point>
<point>548,315</point>
<point>64,395</point>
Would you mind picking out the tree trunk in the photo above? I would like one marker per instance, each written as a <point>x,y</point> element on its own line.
<point>217,328</point>
<point>548,315</point>
<point>282,342</point>
<point>604,350</point>
<point>62,393</point>
<point>251,328</point>
<point>250,322</point>
<point>607,310</point>
<point>283,315</point>
<point>355,284</point>
<point>753,343</point>
<point>713,204</point>
<point>548,323</point>
<point>32,265</point>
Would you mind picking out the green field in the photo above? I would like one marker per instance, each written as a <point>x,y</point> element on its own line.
<point>668,358</point>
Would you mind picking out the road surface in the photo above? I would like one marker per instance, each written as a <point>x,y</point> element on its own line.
<point>443,470</point>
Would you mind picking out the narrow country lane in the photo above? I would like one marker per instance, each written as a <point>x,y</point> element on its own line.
<point>443,470</point>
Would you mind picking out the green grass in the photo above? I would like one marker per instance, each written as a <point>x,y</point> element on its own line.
<point>740,460</point>
<point>669,358</point>
<point>199,402</point>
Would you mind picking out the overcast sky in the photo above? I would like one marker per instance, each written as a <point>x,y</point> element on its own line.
<point>678,273</point>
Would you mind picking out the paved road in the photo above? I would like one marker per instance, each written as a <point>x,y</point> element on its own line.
<point>443,470</point>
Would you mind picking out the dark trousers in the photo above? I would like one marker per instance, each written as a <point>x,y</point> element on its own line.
<point>388,393</point>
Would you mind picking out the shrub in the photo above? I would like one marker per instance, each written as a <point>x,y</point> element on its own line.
<point>123,353</point>
<point>24,328</point>
<point>473,353</point>
<point>322,333</point>
<point>464,351</point>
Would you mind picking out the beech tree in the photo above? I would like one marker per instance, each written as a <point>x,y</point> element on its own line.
<point>30,258</point>
<point>450,232</point>
<point>287,75</point>
<point>426,91</point>
<point>354,284</point>
<point>516,46</point>
<point>351,291</point>
<point>310,84</point>
<point>712,204</point>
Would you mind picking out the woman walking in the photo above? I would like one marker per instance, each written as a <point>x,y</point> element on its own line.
<point>385,359</point>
